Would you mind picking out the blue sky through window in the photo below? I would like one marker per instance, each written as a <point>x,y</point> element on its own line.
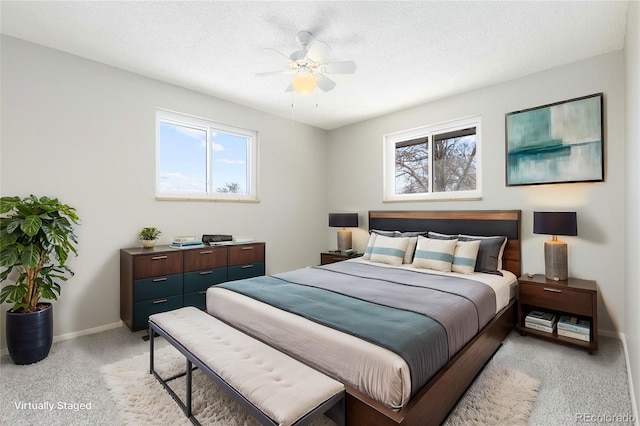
<point>183,160</point>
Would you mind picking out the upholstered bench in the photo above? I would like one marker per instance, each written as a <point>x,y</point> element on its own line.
<point>275,388</point>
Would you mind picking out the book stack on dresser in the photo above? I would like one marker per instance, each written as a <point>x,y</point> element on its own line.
<point>574,328</point>
<point>541,321</point>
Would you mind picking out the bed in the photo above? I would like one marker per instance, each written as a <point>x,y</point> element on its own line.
<point>405,339</point>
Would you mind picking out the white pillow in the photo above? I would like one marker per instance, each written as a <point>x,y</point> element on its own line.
<point>464,257</point>
<point>411,249</point>
<point>389,250</point>
<point>367,252</point>
<point>434,254</point>
<point>372,239</point>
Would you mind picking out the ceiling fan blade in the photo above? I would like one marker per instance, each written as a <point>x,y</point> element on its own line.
<point>270,73</point>
<point>276,54</point>
<point>344,67</point>
<point>324,83</point>
<point>318,50</point>
<point>290,88</point>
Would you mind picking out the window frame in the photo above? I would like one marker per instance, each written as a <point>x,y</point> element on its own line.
<point>430,131</point>
<point>210,126</point>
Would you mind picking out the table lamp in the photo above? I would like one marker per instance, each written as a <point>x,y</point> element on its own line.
<point>555,251</point>
<point>343,220</point>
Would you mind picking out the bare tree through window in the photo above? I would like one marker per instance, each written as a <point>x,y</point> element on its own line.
<point>453,166</point>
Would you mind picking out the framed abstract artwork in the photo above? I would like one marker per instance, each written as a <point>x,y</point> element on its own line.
<point>556,143</point>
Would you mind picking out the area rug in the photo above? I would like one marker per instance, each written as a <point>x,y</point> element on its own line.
<point>498,396</point>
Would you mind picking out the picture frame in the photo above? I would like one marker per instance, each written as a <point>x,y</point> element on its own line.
<point>561,142</point>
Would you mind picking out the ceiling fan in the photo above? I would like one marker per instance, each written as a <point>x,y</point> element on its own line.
<point>309,64</point>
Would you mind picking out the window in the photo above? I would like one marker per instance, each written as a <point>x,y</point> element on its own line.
<point>201,159</point>
<point>437,162</point>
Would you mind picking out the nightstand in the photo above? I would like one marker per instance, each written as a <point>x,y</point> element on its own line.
<point>336,256</point>
<point>573,297</point>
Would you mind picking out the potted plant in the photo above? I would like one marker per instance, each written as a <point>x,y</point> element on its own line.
<point>36,238</point>
<point>149,237</point>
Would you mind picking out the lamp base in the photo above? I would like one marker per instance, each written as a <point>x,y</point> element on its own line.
<point>556,266</point>
<point>344,239</point>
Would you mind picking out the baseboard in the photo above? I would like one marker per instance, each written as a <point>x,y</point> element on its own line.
<point>75,334</point>
<point>634,407</point>
<point>93,330</point>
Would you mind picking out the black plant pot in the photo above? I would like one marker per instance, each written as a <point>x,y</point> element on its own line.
<point>30,335</point>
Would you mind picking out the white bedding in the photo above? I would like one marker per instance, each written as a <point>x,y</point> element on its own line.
<point>373,370</point>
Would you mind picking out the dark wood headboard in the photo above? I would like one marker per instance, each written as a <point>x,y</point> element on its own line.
<point>477,222</point>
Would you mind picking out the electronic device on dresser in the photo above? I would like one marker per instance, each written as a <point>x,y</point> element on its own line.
<point>212,239</point>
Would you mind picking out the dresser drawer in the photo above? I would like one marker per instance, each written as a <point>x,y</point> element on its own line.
<point>245,271</point>
<point>205,258</point>
<point>246,254</point>
<point>561,299</point>
<point>142,310</point>
<point>197,299</point>
<point>152,288</point>
<point>158,264</point>
<point>202,280</point>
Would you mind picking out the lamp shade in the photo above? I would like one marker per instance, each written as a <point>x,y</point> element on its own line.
<point>343,220</point>
<point>555,223</point>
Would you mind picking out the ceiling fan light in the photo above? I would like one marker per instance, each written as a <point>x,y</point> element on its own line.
<point>304,84</point>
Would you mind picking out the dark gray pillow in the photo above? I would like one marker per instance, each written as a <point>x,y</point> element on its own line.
<point>488,254</point>
<point>413,234</point>
<point>439,236</point>
<point>385,233</point>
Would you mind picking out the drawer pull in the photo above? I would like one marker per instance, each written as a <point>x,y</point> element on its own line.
<point>157,280</point>
<point>159,257</point>
<point>206,252</point>
<point>202,292</point>
<point>247,266</point>
<point>553,290</point>
<point>156,302</point>
<point>247,248</point>
<point>337,259</point>
<point>206,272</point>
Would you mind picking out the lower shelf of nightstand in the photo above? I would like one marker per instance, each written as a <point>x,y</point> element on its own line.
<point>591,346</point>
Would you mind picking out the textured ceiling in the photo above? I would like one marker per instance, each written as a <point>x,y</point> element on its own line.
<point>407,53</point>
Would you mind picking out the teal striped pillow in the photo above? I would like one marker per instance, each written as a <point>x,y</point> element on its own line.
<point>434,254</point>
<point>464,257</point>
<point>389,250</point>
<point>372,239</point>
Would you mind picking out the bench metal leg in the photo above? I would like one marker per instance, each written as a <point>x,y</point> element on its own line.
<point>150,352</point>
<point>189,376</point>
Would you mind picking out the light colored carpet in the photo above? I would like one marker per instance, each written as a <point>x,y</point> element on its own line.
<point>499,396</point>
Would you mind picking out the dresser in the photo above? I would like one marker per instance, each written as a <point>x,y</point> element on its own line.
<point>162,278</point>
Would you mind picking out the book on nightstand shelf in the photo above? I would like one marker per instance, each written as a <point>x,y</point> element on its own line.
<point>573,334</point>
<point>574,324</point>
<point>539,327</point>
<point>546,319</point>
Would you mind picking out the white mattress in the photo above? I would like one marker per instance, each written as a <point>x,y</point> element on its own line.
<point>375,371</point>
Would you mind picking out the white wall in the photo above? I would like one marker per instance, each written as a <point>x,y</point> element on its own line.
<point>632,281</point>
<point>355,171</point>
<point>85,133</point>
